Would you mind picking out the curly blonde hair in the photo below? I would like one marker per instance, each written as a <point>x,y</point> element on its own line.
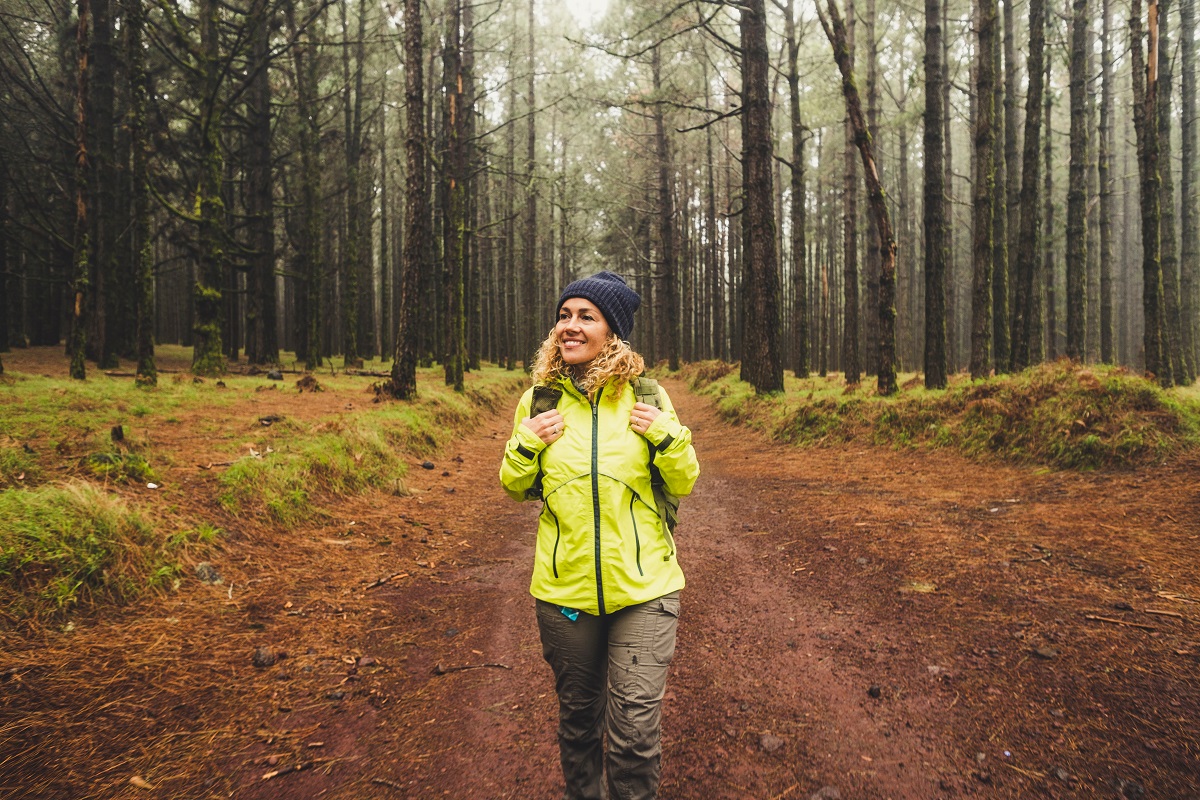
<point>616,364</point>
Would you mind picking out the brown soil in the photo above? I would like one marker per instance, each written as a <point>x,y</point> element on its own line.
<point>890,624</point>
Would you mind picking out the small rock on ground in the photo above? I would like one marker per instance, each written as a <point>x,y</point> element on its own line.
<point>207,573</point>
<point>770,743</point>
<point>264,657</point>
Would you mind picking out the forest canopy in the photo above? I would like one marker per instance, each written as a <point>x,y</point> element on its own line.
<point>416,182</point>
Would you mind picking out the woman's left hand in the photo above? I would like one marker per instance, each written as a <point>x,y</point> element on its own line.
<point>643,417</point>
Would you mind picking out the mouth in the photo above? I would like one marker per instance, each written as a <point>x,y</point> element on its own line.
<point>571,344</point>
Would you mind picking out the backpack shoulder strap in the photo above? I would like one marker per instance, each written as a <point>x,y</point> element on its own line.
<point>646,391</point>
<point>544,399</point>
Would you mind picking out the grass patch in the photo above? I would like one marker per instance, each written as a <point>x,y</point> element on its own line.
<point>77,544</point>
<point>66,545</point>
<point>358,452</point>
<point>119,467</point>
<point>1058,414</point>
<point>17,465</point>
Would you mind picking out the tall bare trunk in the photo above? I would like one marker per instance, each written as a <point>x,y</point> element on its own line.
<point>935,202</point>
<point>799,200</point>
<point>762,366</point>
<point>985,189</point>
<point>532,314</point>
<point>454,217</point>
<point>851,362</point>
<point>80,281</point>
<point>1189,256</point>
<point>1104,167</point>
<point>666,285</point>
<point>1000,205</point>
<point>1144,58</point>
<point>835,31</point>
<point>1172,363</point>
<point>403,382</point>
<point>143,252</point>
<point>1024,318</point>
<point>1076,253</point>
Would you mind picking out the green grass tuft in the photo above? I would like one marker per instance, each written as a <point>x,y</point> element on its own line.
<point>62,545</point>
<point>119,467</point>
<point>1058,414</point>
<point>354,453</point>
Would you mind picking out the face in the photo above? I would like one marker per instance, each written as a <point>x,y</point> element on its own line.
<point>582,331</point>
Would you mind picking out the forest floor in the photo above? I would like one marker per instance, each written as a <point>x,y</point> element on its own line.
<point>886,624</point>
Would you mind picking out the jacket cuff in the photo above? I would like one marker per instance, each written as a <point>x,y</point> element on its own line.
<point>663,432</point>
<point>529,444</point>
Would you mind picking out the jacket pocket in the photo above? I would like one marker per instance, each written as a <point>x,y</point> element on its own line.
<point>637,542</point>
<point>557,537</point>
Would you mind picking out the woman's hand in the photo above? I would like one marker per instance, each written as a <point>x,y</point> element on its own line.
<point>643,417</point>
<point>547,426</point>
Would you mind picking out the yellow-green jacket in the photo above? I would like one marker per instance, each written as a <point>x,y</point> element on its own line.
<point>600,543</point>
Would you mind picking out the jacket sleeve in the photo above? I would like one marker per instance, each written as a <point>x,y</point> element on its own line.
<point>520,464</point>
<point>674,455</point>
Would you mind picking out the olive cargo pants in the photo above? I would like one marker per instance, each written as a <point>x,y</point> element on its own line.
<point>610,674</point>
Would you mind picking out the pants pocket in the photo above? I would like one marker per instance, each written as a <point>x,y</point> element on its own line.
<point>666,622</point>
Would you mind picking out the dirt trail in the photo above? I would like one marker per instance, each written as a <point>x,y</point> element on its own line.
<point>888,624</point>
<point>816,579</point>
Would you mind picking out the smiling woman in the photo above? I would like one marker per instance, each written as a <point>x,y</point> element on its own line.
<point>605,574</point>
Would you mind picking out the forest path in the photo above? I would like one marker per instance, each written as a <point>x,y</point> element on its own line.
<point>817,579</point>
<point>891,624</point>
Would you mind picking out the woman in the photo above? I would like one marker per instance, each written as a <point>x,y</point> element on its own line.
<point>605,575</point>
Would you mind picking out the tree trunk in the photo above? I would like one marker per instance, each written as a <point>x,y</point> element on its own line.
<point>80,280</point>
<point>1104,168</point>
<point>835,31</point>
<point>874,254</point>
<point>403,382</point>
<point>985,189</point>
<point>1144,57</point>
<point>472,278</point>
<point>532,313</point>
<point>666,214</point>
<point>935,202</point>
<point>716,290</point>
<point>208,354</point>
<point>799,200</point>
<point>1172,362</point>
<point>308,257</point>
<point>761,363</point>
<point>1049,270</point>
<point>1076,253</point>
<point>262,344</point>
<point>142,249</point>
<point>851,362</point>
<point>513,328</point>
<point>106,289</point>
<point>1012,167</point>
<point>454,219</point>
<point>1023,318</point>
<point>1189,260</point>
<point>386,262</point>
<point>999,203</point>
<point>1091,337</point>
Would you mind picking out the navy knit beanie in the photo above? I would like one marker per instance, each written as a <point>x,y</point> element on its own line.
<point>609,293</point>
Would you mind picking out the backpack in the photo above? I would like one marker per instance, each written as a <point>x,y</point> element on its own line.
<point>646,391</point>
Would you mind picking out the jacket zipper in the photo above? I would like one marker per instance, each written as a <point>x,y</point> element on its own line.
<point>637,542</point>
<point>596,496</point>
